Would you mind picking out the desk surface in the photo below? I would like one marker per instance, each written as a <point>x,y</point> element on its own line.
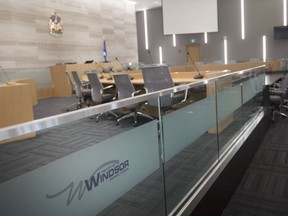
<point>141,82</point>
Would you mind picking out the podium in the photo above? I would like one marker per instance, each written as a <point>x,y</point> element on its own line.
<point>16,106</point>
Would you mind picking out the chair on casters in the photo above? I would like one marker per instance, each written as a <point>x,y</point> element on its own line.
<point>158,78</point>
<point>98,95</point>
<point>279,99</point>
<point>82,92</point>
<point>126,89</point>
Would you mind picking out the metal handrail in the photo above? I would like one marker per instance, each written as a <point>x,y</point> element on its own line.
<point>57,120</point>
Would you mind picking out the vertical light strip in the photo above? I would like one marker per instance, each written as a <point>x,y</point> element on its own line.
<point>205,38</point>
<point>285,12</point>
<point>225,51</point>
<point>174,40</point>
<point>242,20</point>
<point>160,55</point>
<point>264,49</point>
<point>146,30</point>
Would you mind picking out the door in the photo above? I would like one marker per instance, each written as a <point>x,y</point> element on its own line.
<point>194,53</point>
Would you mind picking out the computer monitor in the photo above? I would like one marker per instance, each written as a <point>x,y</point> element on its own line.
<point>88,61</point>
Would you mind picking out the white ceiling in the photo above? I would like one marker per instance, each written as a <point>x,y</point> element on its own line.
<point>146,4</point>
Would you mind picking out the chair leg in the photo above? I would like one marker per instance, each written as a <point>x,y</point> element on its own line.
<point>72,105</point>
<point>124,117</point>
<point>135,115</point>
<point>145,115</point>
<point>101,114</point>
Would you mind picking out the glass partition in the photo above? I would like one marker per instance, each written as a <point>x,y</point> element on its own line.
<point>41,76</point>
<point>189,148</point>
<point>229,109</point>
<point>77,166</point>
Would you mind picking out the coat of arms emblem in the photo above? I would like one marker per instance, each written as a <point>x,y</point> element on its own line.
<point>55,25</point>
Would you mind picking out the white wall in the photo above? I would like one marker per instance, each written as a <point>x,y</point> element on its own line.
<point>25,41</point>
<point>261,17</point>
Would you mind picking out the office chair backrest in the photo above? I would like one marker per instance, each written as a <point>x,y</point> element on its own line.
<point>124,86</point>
<point>284,86</point>
<point>96,87</point>
<point>158,78</point>
<point>78,83</point>
<point>72,86</point>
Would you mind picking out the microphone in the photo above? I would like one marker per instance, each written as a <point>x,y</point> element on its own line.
<point>128,68</point>
<point>119,70</point>
<point>150,56</point>
<point>102,70</point>
<point>5,74</point>
<point>198,76</point>
<point>106,70</point>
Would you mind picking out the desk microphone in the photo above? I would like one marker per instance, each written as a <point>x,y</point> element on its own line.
<point>150,56</point>
<point>119,64</point>
<point>5,74</point>
<point>128,68</point>
<point>198,76</point>
<point>102,70</point>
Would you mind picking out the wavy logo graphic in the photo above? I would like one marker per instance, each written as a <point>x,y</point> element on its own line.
<point>106,172</point>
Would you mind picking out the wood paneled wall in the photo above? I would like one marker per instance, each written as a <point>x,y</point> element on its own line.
<point>25,41</point>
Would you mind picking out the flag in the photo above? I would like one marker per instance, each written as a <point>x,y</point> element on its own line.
<point>104,50</point>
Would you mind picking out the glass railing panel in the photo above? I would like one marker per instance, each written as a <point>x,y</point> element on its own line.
<point>41,76</point>
<point>229,112</point>
<point>253,84</point>
<point>189,150</point>
<point>76,166</point>
<point>84,167</point>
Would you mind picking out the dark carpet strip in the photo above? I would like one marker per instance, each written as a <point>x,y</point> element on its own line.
<point>263,190</point>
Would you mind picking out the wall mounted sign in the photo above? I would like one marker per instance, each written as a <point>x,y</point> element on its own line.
<point>55,25</point>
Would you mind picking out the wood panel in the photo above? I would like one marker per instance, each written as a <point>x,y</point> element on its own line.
<point>44,93</point>
<point>16,105</point>
<point>25,41</point>
<point>59,81</point>
<point>32,86</point>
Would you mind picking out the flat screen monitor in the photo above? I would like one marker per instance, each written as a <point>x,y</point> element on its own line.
<point>280,32</point>
<point>88,61</point>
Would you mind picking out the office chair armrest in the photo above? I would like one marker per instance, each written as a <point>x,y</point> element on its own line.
<point>136,92</point>
<point>106,87</point>
<point>186,92</point>
<point>85,84</point>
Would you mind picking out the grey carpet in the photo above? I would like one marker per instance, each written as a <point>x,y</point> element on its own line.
<point>263,190</point>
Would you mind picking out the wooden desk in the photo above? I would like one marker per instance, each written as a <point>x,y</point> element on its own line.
<point>178,77</point>
<point>140,81</point>
<point>16,106</point>
<point>273,65</point>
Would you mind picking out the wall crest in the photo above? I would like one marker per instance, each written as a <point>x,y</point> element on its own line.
<point>55,25</point>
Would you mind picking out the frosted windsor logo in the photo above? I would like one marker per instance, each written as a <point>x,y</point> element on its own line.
<point>106,172</point>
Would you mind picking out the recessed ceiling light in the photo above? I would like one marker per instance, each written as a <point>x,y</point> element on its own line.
<point>133,2</point>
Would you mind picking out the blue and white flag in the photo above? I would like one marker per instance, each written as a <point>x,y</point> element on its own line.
<point>104,50</point>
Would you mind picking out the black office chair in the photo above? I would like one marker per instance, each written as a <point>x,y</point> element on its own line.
<point>158,78</point>
<point>82,92</point>
<point>126,89</point>
<point>279,98</point>
<point>98,94</point>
